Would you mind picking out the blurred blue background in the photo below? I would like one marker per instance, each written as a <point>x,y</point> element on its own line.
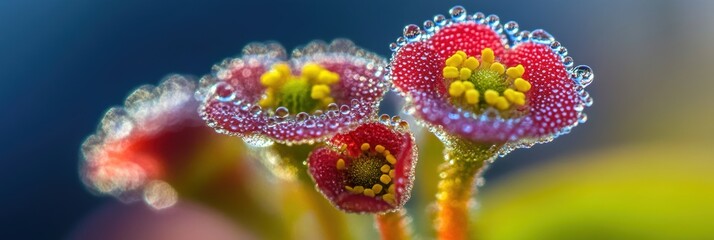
<point>63,63</point>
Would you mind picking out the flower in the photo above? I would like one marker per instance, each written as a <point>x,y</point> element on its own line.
<point>367,170</point>
<point>139,148</point>
<point>477,79</point>
<point>322,90</point>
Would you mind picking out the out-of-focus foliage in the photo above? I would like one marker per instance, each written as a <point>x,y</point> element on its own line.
<point>657,191</point>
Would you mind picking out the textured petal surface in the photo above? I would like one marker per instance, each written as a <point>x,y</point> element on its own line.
<point>553,98</point>
<point>417,66</point>
<point>554,103</point>
<point>331,182</point>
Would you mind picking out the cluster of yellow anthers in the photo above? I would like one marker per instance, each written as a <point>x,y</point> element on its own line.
<point>473,81</point>
<point>310,89</point>
<point>385,179</point>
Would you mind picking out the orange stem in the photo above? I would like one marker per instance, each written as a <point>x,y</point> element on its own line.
<point>464,162</point>
<point>393,225</point>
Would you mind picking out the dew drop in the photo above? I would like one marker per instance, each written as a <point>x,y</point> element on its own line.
<point>393,46</point>
<point>429,26</point>
<point>255,110</point>
<point>479,17</point>
<point>541,36</point>
<point>568,61</point>
<point>344,109</point>
<point>582,118</point>
<point>511,28</point>
<point>588,101</point>
<point>332,107</point>
<point>562,51</point>
<point>384,118</point>
<point>583,75</point>
<point>555,45</point>
<point>282,112</point>
<point>224,92</point>
<point>412,32</point>
<point>493,20</point>
<point>440,20</point>
<point>458,13</point>
<point>523,36</point>
<point>302,116</point>
<point>333,124</point>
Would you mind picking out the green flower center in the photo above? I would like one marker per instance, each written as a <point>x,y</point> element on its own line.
<point>305,93</point>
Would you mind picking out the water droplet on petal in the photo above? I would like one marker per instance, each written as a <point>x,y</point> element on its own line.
<point>332,107</point>
<point>384,118</point>
<point>300,117</point>
<point>393,46</point>
<point>412,32</point>
<point>344,109</point>
<point>582,118</point>
<point>458,13</point>
<point>440,20</point>
<point>224,92</point>
<point>541,36</point>
<point>588,101</point>
<point>583,75</point>
<point>511,28</point>
<point>282,112</point>
<point>401,41</point>
<point>255,109</point>
<point>568,61</point>
<point>493,20</point>
<point>429,26</point>
<point>479,17</point>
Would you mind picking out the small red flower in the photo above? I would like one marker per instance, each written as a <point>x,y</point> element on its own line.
<point>322,90</point>
<point>139,147</point>
<point>367,170</point>
<point>473,77</point>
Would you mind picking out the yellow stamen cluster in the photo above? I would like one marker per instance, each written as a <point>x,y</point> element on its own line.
<point>314,78</point>
<point>469,85</point>
<point>385,180</point>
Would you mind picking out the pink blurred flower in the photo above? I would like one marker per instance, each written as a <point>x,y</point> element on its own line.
<point>139,147</point>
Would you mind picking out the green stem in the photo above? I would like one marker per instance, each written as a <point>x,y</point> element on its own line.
<point>287,162</point>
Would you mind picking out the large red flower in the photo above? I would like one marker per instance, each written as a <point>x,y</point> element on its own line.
<point>472,77</point>
<point>367,170</point>
<point>322,90</point>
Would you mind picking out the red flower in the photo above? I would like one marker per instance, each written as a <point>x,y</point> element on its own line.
<point>368,170</point>
<point>474,78</point>
<point>139,147</point>
<point>322,90</point>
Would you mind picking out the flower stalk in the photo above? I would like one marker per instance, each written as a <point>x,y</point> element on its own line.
<point>393,225</point>
<point>465,161</point>
<point>287,163</point>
